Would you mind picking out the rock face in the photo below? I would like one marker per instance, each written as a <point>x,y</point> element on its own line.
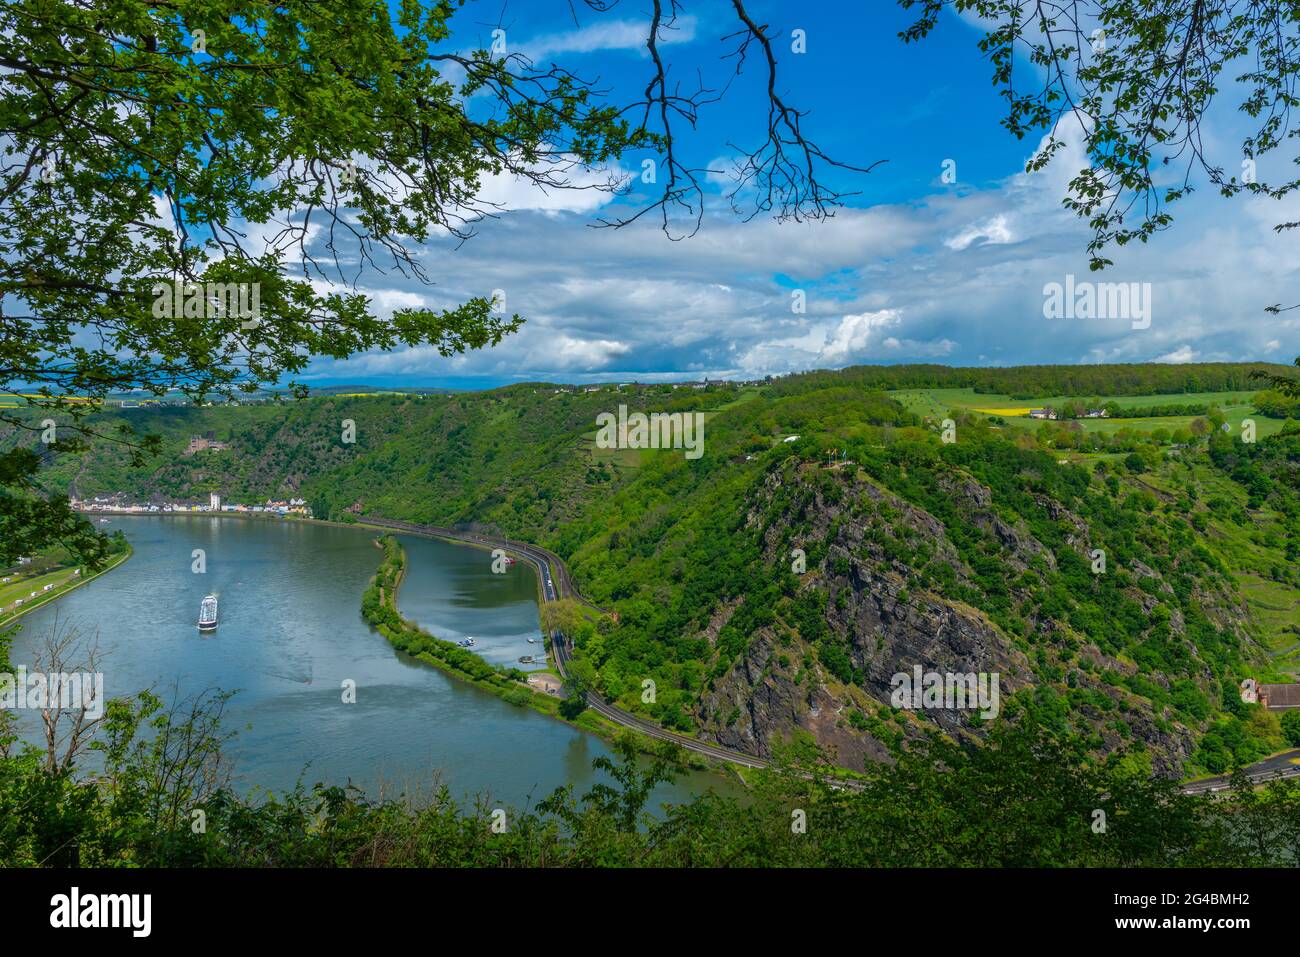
<point>770,700</point>
<point>892,633</point>
<point>780,689</point>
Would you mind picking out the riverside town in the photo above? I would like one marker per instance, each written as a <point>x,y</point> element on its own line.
<point>120,504</point>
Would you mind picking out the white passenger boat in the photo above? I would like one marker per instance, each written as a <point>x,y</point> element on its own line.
<point>208,614</point>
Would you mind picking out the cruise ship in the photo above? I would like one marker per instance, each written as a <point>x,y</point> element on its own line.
<point>208,614</point>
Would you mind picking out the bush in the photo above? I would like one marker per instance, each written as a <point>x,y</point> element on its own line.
<point>1291,727</point>
<point>572,706</point>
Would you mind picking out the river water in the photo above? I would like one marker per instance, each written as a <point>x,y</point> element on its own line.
<point>291,635</point>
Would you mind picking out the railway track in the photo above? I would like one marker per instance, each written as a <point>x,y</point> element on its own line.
<point>556,583</point>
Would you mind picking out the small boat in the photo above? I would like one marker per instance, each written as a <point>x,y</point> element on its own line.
<point>208,614</point>
<point>103,521</point>
<point>532,660</point>
<point>466,642</point>
<point>509,560</point>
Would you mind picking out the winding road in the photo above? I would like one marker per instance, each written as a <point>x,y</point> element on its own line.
<point>1284,765</point>
<point>557,583</point>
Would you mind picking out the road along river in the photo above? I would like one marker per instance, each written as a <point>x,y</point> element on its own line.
<point>291,634</point>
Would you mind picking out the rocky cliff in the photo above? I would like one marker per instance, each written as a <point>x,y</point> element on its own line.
<point>865,545</point>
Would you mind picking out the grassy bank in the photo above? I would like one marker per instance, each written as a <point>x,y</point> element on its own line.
<point>379,608</point>
<point>63,589</point>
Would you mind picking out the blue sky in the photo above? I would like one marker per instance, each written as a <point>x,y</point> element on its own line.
<point>915,269</point>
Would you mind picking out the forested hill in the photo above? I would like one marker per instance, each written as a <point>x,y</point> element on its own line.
<point>970,556</point>
<point>1034,382</point>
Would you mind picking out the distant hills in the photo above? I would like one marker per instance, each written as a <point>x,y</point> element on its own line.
<point>971,556</point>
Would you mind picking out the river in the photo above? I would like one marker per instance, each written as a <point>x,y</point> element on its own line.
<point>291,635</point>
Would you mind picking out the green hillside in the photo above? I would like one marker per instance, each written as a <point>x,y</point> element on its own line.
<point>971,556</point>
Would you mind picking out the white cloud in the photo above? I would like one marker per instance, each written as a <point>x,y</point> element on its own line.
<point>386,301</point>
<point>608,35</point>
<point>855,334</point>
<point>1183,353</point>
<point>955,277</point>
<point>993,231</point>
<point>588,190</point>
<point>567,353</point>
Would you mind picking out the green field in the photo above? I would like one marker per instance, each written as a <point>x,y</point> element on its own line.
<point>63,578</point>
<point>23,587</point>
<point>1249,541</point>
<point>937,403</point>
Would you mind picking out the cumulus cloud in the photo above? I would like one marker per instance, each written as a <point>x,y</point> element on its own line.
<point>855,334</point>
<point>566,352</point>
<point>588,189</point>
<point>993,230</point>
<point>957,277</point>
<point>1183,353</point>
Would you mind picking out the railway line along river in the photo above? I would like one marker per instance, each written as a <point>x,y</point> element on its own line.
<point>290,634</point>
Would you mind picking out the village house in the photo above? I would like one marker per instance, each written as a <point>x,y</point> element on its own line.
<point>1279,697</point>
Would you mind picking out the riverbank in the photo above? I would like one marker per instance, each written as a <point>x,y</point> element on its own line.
<point>380,611</point>
<point>554,583</point>
<point>599,718</point>
<point>63,589</point>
